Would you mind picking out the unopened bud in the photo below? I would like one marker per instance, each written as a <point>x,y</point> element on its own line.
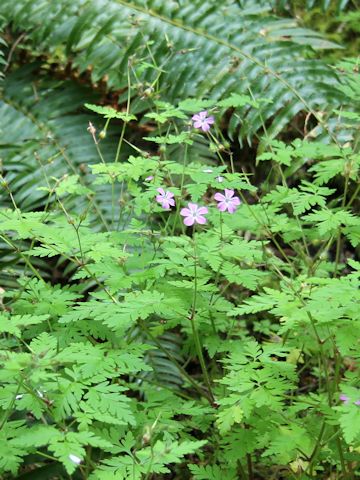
<point>148,92</point>
<point>146,436</point>
<point>75,459</point>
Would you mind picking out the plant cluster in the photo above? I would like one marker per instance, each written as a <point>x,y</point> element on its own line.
<point>264,379</point>
<point>173,305</point>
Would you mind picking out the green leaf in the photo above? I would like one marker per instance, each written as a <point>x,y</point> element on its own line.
<point>15,324</point>
<point>183,137</point>
<point>70,184</point>
<point>193,105</point>
<point>329,221</point>
<point>236,100</point>
<point>211,472</point>
<point>109,112</point>
<point>350,424</point>
<point>228,417</point>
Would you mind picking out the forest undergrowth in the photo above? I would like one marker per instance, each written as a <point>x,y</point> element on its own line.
<point>179,239</point>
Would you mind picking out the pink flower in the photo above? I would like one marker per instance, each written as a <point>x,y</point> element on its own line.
<point>149,178</point>
<point>193,214</point>
<point>202,121</point>
<point>227,202</point>
<point>345,399</point>
<point>165,198</point>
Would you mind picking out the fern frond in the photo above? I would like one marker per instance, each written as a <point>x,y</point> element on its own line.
<point>205,49</point>
<point>2,54</point>
<point>48,138</point>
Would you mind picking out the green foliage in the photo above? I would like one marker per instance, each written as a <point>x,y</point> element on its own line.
<point>204,50</point>
<point>135,346</point>
<point>100,354</point>
<point>338,20</point>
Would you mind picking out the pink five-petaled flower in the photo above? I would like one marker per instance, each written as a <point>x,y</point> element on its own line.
<point>165,198</point>
<point>194,214</point>
<point>202,121</point>
<point>227,202</point>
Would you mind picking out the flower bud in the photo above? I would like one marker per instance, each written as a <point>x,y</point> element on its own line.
<point>75,459</point>
<point>148,92</point>
<point>146,438</point>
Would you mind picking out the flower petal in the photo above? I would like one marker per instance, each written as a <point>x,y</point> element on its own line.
<point>235,201</point>
<point>193,207</point>
<point>222,206</point>
<point>210,120</point>
<point>196,117</point>
<point>203,115</point>
<point>202,211</point>
<point>231,208</point>
<point>229,193</point>
<point>205,127</point>
<point>165,204</point>
<point>189,221</point>
<point>171,202</point>
<point>219,197</point>
<point>201,220</point>
<point>198,124</point>
<point>161,191</point>
<point>185,212</point>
